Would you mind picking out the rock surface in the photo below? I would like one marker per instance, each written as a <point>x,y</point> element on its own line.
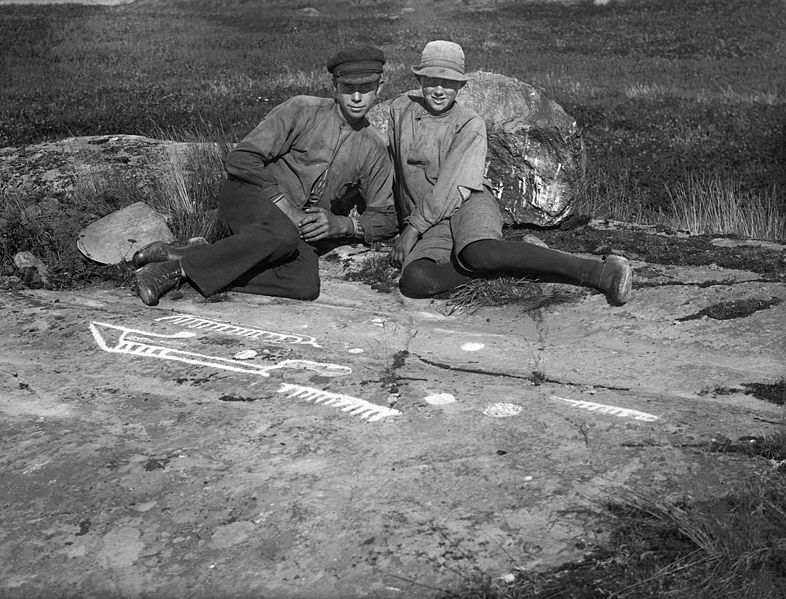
<point>266,447</point>
<point>535,151</point>
<point>60,169</point>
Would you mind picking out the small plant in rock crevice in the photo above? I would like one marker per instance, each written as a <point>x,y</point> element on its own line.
<point>377,272</point>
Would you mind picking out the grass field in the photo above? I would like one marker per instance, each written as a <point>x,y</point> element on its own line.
<point>678,100</point>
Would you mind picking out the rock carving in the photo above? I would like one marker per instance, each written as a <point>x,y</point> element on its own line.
<point>606,409</point>
<point>123,340</point>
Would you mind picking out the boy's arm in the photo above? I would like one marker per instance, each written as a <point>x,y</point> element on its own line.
<point>273,137</point>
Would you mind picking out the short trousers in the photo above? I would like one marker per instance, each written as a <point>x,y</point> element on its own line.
<point>476,219</point>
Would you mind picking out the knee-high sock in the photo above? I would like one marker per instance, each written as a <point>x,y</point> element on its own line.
<point>493,256</point>
<point>424,278</point>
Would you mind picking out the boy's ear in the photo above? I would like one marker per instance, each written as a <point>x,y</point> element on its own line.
<point>380,86</point>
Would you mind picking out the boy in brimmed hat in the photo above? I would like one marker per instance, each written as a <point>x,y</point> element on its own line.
<point>312,170</point>
<point>451,226</point>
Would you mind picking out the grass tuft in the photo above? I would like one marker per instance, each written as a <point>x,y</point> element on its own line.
<point>497,291</point>
<point>710,205</point>
<point>188,193</point>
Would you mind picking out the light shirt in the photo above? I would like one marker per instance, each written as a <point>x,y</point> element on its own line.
<point>435,158</point>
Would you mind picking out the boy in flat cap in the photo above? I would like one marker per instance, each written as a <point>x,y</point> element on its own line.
<point>313,169</point>
<point>451,226</point>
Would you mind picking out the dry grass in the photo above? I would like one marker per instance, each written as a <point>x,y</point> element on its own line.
<point>504,290</point>
<point>733,546</point>
<point>188,192</point>
<point>710,205</point>
<point>728,547</point>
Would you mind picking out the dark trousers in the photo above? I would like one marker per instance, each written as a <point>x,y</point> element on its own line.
<point>263,254</point>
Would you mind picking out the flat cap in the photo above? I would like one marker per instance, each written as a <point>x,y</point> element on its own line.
<point>357,64</point>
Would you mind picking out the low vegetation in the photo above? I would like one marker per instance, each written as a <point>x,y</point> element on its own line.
<point>726,547</point>
<point>681,104</point>
<point>186,194</point>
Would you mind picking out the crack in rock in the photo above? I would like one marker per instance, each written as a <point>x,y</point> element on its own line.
<point>536,378</point>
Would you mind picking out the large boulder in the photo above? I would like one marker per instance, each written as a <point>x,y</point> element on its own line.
<point>535,151</point>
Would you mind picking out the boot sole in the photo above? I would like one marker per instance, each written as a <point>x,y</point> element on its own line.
<point>622,290</point>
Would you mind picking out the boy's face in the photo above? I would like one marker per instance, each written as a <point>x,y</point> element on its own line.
<point>356,99</point>
<point>439,94</point>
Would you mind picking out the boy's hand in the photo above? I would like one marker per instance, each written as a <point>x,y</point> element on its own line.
<point>320,223</point>
<point>404,244</point>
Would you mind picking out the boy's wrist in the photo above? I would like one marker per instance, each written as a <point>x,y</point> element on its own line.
<point>355,228</point>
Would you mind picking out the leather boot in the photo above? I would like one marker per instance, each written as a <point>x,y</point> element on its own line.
<point>155,279</point>
<point>159,251</point>
<point>616,279</point>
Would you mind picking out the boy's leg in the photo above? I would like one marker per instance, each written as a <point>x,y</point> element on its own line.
<point>296,278</point>
<point>429,268</point>
<point>425,278</point>
<point>610,274</point>
<point>494,255</point>
<point>262,239</point>
<point>480,249</point>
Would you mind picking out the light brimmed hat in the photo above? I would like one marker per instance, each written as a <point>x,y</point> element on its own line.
<point>441,60</point>
<point>357,64</point>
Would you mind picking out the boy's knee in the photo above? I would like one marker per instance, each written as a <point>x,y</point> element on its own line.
<point>417,282</point>
<point>308,288</point>
<point>306,292</point>
<point>303,281</point>
<point>476,257</point>
<point>288,238</point>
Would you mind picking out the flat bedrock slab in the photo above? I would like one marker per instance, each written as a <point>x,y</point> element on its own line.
<point>214,449</point>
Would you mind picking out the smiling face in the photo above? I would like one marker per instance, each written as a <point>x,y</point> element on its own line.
<point>356,99</point>
<point>439,94</point>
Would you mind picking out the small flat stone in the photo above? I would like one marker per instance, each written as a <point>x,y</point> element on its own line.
<point>115,237</point>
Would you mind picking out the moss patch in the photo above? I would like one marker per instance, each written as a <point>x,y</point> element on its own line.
<point>733,309</point>
<point>774,392</point>
<point>694,250</point>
